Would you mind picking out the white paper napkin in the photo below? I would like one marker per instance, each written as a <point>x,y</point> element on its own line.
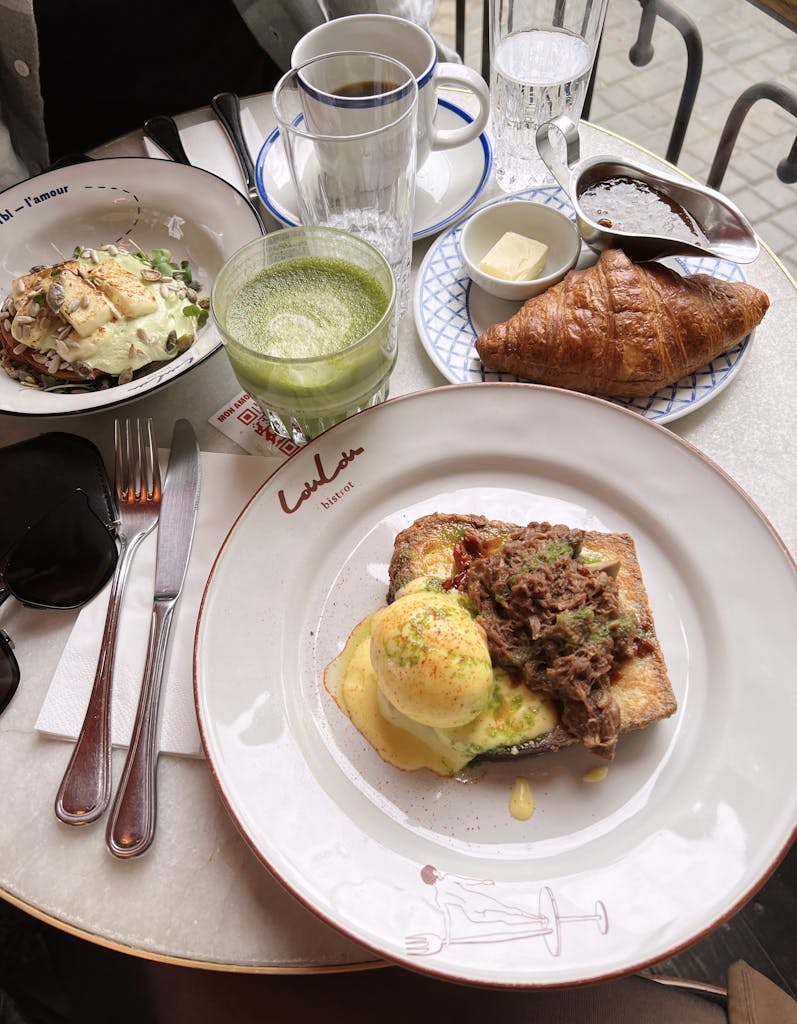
<point>227,484</point>
<point>206,145</point>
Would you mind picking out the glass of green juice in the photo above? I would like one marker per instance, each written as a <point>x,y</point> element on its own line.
<point>307,316</point>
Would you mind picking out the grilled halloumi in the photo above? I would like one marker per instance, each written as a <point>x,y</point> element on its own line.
<point>28,284</point>
<point>35,335</point>
<point>83,305</point>
<point>126,291</point>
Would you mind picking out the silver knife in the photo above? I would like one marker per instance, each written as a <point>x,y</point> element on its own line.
<point>131,825</point>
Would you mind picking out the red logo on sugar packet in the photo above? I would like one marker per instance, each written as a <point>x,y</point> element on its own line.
<point>322,479</point>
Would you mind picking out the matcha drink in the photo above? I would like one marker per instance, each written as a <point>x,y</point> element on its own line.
<point>306,307</point>
<point>309,325</point>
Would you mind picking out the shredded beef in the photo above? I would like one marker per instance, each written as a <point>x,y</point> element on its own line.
<point>556,624</point>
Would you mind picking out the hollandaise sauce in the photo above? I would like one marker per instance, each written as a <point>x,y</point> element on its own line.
<point>416,680</point>
<point>358,696</point>
<point>521,800</point>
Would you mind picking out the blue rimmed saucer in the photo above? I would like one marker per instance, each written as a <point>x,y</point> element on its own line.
<point>448,183</point>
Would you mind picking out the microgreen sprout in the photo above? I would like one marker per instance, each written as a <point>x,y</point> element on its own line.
<point>197,311</point>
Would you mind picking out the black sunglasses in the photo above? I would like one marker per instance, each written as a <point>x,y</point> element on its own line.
<point>62,561</point>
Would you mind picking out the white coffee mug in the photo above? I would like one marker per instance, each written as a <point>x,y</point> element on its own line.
<point>413,46</point>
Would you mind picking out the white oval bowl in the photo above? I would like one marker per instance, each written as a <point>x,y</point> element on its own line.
<point>534,220</point>
<point>152,203</point>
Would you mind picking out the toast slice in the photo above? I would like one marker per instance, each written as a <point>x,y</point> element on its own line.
<point>435,547</point>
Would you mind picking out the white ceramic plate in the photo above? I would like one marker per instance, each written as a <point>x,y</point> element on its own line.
<point>451,312</point>
<point>447,184</point>
<point>160,204</point>
<point>436,874</point>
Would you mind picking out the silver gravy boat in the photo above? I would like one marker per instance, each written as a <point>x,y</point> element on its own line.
<point>727,234</point>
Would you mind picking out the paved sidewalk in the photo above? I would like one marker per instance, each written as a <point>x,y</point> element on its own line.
<point>742,46</point>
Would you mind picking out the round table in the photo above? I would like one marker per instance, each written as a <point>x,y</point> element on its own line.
<point>200,896</point>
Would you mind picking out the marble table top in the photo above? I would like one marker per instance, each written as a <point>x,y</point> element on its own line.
<point>200,895</point>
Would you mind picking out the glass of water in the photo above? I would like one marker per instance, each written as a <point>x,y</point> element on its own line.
<point>542,53</point>
<point>348,126</point>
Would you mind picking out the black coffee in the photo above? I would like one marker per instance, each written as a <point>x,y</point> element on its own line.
<point>355,90</point>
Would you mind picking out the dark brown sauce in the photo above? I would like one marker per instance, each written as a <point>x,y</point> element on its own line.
<point>625,204</point>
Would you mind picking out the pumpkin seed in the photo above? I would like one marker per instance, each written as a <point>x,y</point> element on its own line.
<point>56,296</point>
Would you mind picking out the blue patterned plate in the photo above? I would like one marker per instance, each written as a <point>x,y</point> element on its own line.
<point>451,312</point>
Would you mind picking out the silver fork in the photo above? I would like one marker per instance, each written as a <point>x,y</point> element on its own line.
<point>86,786</point>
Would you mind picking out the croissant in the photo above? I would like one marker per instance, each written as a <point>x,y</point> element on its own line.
<point>622,329</point>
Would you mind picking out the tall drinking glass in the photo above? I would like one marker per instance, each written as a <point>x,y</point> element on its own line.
<point>348,123</point>
<point>542,53</point>
<point>308,320</point>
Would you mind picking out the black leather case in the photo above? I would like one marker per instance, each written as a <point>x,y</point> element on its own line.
<point>36,475</point>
